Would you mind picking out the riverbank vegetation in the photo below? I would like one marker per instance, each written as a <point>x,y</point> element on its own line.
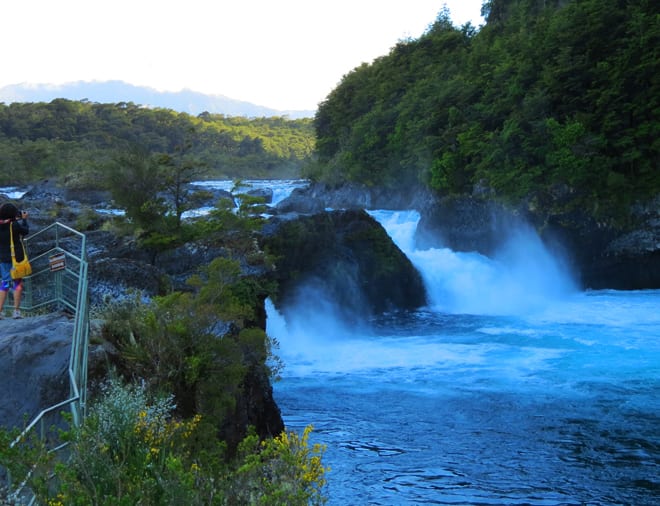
<point>132,449</point>
<point>554,101</point>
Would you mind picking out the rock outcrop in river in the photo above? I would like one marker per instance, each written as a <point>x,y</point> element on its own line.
<point>349,257</point>
<point>600,255</point>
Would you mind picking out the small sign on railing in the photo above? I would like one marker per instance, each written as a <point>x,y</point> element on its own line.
<point>57,262</point>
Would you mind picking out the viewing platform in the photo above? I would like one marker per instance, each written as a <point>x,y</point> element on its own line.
<point>54,304</point>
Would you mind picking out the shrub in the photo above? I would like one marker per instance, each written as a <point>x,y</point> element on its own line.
<point>131,450</point>
<point>282,470</point>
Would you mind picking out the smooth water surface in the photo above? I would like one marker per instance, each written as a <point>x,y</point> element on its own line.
<point>533,394</point>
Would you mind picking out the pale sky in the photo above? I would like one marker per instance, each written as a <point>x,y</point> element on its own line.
<point>282,54</point>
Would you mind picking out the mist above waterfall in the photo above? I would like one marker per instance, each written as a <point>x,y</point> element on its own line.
<point>522,278</point>
<point>312,306</point>
<point>316,334</point>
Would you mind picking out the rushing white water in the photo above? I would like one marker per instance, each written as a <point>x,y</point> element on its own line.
<point>12,192</point>
<point>522,276</point>
<point>512,387</point>
<point>281,188</point>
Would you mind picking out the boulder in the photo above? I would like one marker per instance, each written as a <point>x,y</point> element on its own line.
<point>112,278</point>
<point>610,255</point>
<point>87,196</point>
<point>34,359</point>
<point>262,193</point>
<point>466,224</point>
<point>349,256</point>
<point>300,202</point>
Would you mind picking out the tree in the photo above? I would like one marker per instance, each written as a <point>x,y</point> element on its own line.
<point>135,180</point>
<point>179,170</point>
<point>548,92</point>
<point>132,448</point>
<point>80,137</point>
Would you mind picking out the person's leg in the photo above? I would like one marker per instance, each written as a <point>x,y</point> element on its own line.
<point>18,292</point>
<point>3,296</point>
<point>5,283</point>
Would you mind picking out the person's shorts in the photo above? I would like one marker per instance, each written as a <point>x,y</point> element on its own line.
<point>5,275</point>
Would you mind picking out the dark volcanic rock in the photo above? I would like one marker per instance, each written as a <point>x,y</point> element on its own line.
<point>112,277</point>
<point>255,407</point>
<point>262,193</point>
<point>300,202</point>
<point>87,196</point>
<point>601,255</point>
<point>609,256</point>
<point>34,360</point>
<point>35,350</point>
<point>347,255</point>
<point>466,224</point>
<point>318,196</point>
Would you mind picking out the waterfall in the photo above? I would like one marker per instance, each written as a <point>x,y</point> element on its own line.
<point>522,277</point>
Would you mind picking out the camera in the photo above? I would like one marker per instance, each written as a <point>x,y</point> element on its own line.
<point>22,213</point>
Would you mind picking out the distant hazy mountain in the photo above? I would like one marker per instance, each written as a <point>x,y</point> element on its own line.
<point>113,92</point>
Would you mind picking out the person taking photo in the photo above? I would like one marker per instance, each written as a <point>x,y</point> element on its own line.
<point>14,222</point>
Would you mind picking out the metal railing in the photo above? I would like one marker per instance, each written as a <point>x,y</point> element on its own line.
<point>58,255</point>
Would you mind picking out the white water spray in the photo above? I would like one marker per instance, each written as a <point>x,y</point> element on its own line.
<point>522,277</point>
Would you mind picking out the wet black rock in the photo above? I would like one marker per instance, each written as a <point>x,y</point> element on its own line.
<point>318,196</point>
<point>34,359</point>
<point>347,257</point>
<point>599,254</point>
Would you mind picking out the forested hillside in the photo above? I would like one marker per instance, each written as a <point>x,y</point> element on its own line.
<point>550,97</point>
<point>79,140</point>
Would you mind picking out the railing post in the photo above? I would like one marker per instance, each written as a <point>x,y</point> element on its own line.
<point>58,287</point>
<point>26,299</point>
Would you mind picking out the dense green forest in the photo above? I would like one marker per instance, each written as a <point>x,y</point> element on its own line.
<point>549,98</point>
<point>79,140</point>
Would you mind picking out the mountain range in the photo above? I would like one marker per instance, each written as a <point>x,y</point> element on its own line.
<point>112,92</point>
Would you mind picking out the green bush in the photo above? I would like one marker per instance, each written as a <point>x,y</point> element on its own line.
<point>132,450</point>
<point>282,470</point>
